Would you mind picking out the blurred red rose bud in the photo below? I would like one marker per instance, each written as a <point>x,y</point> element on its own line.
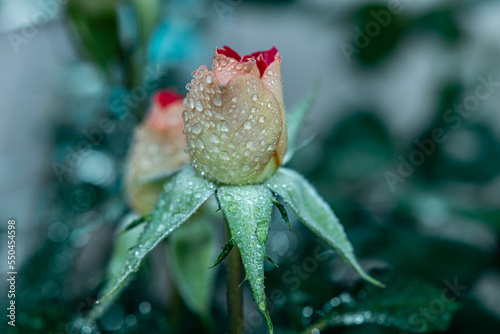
<point>158,147</point>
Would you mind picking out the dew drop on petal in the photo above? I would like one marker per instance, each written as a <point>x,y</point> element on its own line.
<point>209,79</point>
<point>246,168</point>
<point>214,139</point>
<point>199,105</point>
<point>248,125</point>
<point>255,97</point>
<point>217,100</point>
<point>223,126</point>
<point>196,129</point>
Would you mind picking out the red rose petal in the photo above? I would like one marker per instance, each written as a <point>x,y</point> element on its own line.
<point>262,58</point>
<point>166,96</point>
<point>228,52</point>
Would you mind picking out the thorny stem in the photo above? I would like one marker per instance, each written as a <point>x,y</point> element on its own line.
<point>235,294</point>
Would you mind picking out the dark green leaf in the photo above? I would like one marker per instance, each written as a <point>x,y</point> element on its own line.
<point>407,303</point>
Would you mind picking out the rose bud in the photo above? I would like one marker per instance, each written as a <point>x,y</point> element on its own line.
<point>157,148</point>
<point>235,122</point>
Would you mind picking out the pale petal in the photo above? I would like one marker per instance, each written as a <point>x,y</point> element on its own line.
<point>271,78</point>
<point>226,68</point>
<point>232,130</point>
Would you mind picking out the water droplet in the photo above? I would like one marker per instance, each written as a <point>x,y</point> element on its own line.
<point>199,105</point>
<point>214,139</point>
<point>261,119</point>
<point>217,100</point>
<point>246,168</point>
<point>270,148</point>
<point>269,104</point>
<point>196,129</point>
<point>250,145</point>
<point>255,97</point>
<point>223,126</point>
<point>224,155</point>
<point>270,72</point>
<point>234,99</point>
<point>201,143</point>
<point>247,153</point>
<point>191,103</point>
<point>185,114</point>
<point>209,79</point>
<point>202,86</point>
<point>248,125</point>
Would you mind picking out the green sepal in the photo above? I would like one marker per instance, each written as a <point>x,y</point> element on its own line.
<point>315,213</point>
<point>284,214</point>
<point>224,253</point>
<point>244,280</point>
<point>272,261</point>
<point>181,197</point>
<point>248,213</point>
<point>135,223</point>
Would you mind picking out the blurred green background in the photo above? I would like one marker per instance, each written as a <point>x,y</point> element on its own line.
<point>406,151</point>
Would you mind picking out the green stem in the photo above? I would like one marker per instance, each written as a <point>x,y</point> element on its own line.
<point>235,294</point>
